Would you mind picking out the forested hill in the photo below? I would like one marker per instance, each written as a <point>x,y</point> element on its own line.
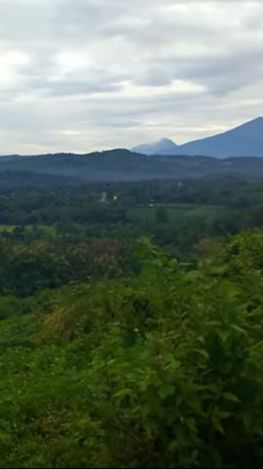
<point>123,165</point>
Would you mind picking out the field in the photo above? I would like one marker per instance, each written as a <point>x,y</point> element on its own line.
<point>175,212</point>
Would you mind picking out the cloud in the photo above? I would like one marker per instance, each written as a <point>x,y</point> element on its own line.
<point>73,71</point>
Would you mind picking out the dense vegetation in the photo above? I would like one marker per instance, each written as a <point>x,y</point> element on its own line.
<point>131,323</point>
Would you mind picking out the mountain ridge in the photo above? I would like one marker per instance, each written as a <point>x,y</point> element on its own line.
<point>243,140</point>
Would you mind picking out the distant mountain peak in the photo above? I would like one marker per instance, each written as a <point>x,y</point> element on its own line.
<point>165,146</point>
<point>167,140</point>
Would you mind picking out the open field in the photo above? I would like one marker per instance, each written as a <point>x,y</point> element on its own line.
<point>175,213</point>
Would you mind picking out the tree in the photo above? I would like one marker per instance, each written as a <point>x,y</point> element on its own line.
<point>161,215</point>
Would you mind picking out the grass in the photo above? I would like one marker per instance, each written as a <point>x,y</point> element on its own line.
<point>175,213</point>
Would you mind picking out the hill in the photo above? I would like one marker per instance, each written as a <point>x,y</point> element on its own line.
<point>121,165</point>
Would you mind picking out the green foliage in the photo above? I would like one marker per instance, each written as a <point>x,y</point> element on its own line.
<point>115,352</point>
<point>162,369</point>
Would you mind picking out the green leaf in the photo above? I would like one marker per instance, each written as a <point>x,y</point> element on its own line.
<point>218,426</point>
<point>231,397</point>
<point>239,329</point>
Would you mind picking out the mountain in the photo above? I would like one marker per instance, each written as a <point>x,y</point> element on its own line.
<point>244,140</point>
<point>162,147</point>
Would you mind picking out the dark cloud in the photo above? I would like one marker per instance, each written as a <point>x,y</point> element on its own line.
<point>73,70</point>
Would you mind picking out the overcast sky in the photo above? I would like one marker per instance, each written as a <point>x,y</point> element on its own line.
<point>79,75</point>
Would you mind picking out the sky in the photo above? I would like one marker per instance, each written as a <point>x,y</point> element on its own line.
<point>84,75</point>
